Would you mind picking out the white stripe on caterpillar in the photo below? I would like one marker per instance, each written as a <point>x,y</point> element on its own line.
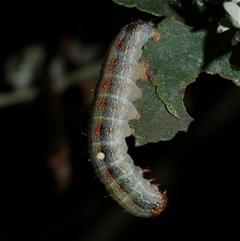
<point>111,110</point>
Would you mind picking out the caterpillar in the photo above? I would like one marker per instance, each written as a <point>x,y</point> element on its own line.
<point>111,110</point>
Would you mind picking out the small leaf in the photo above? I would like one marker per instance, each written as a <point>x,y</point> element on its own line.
<point>156,123</point>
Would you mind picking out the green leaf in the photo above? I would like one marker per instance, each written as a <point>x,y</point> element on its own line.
<point>179,56</point>
<point>156,123</point>
<point>222,67</point>
<point>155,7</point>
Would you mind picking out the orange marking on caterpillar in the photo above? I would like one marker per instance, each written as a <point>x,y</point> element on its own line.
<point>101,104</point>
<point>112,63</point>
<point>155,212</point>
<point>109,175</point>
<point>119,41</point>
<point>121,189</point>
<point>107,83</point>
<point>98,129</point>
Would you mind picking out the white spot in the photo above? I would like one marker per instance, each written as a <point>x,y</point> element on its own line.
<point>100,156</point>
<point>233,12</point>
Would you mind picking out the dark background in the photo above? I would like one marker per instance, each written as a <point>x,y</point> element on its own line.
<point>199,168</point>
